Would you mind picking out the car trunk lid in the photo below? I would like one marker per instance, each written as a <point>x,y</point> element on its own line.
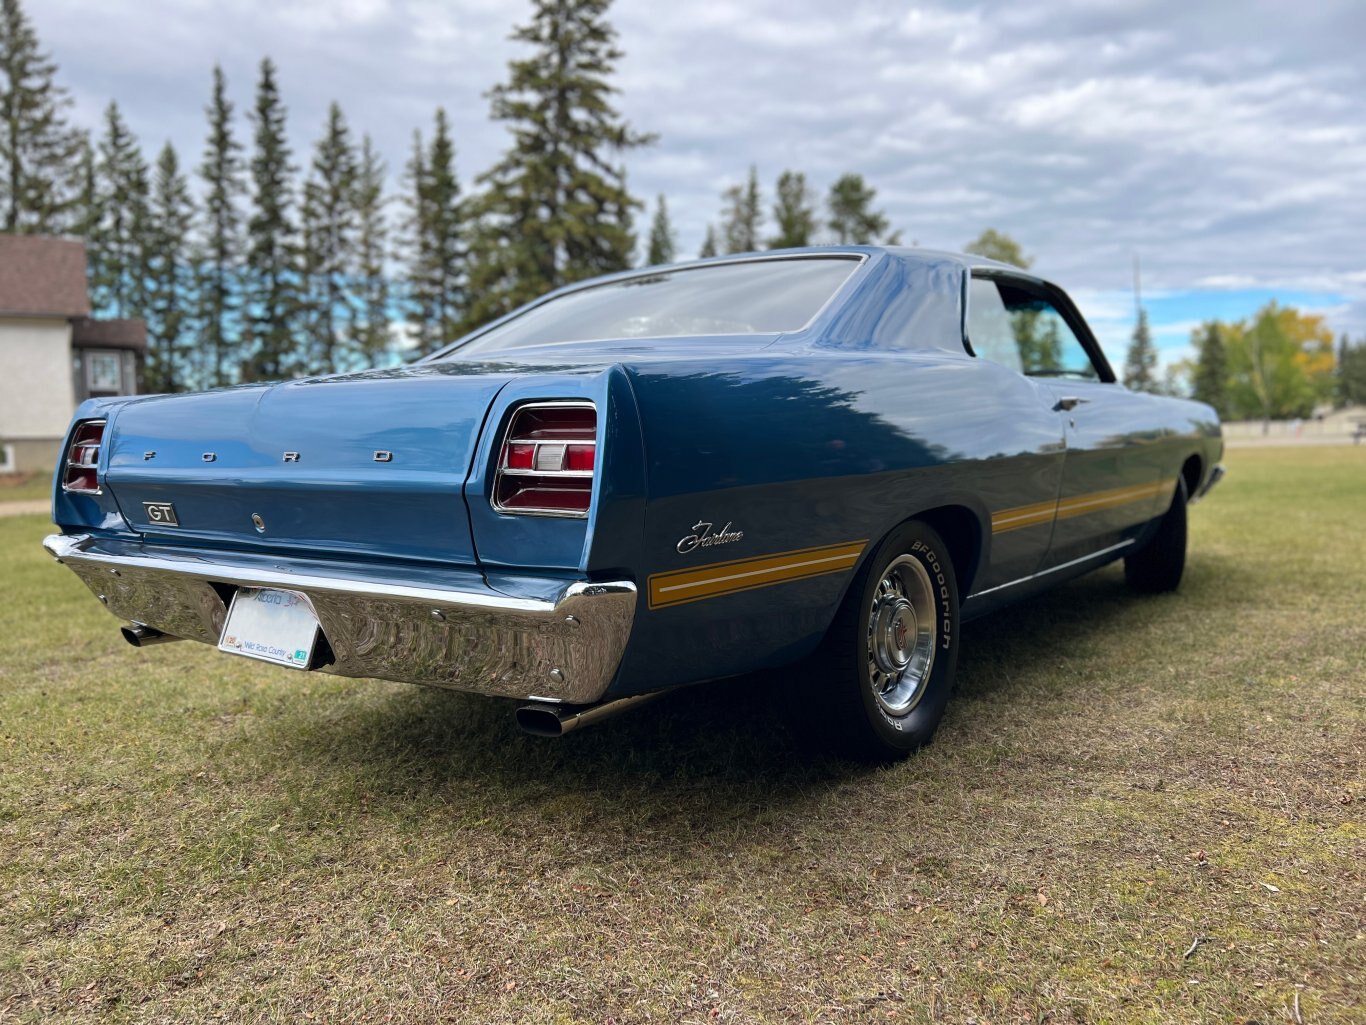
<point>368,464</point>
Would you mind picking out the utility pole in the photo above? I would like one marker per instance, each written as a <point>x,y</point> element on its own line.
<point>1138,288</point>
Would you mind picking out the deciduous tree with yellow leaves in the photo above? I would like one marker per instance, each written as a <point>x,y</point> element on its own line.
<point>1280,363</point>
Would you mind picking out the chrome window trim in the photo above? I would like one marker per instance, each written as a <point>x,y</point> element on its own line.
<point>858,259</point>
<point>1060,301</point>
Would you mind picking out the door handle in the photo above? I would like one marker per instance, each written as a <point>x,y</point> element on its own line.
<point>1069,402</point>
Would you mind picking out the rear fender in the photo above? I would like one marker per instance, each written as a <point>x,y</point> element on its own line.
<point>962,521</point>
<point>608,539</point>
<point>83,512</point>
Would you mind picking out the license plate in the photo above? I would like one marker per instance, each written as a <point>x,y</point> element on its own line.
<point>272,625</point>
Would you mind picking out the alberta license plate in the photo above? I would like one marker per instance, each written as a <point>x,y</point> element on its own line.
<point>272,625</point>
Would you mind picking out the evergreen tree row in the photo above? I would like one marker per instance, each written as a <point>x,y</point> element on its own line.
<point>256,265</point>
<point>850,219</point>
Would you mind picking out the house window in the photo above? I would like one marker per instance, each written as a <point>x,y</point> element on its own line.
<point>103,373</point>
<point>7,463</point>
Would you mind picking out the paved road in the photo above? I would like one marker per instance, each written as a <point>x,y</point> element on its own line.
<point>25,507</point>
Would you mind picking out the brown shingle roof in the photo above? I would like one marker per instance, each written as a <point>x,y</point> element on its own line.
<point>42,277</point>
<point>113,334</point>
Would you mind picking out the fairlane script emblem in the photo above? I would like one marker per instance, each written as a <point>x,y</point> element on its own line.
<point>703,536</point>
<point>161,512</point>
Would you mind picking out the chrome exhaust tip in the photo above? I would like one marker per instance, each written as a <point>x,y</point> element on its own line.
<point>140,636</point>
<point>541,720</point>
<point>544,719</point>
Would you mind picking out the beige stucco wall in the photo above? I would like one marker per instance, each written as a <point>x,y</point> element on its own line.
<point>37,396</point>
<point>31,455</point>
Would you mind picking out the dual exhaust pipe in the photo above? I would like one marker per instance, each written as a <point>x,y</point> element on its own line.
<point>540,718</point>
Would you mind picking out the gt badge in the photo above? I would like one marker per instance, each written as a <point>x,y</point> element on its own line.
<point>161,512</point>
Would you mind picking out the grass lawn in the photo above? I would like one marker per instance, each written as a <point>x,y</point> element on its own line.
<point>19,487</point>
<point>186,836</point>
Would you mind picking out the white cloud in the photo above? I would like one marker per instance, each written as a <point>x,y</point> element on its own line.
<point>1226,147</point>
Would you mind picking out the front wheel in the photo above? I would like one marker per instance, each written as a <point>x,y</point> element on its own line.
<point>879,683</point>
<point>1158,566</point>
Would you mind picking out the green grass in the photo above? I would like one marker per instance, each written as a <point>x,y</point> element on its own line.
<point>190,837</point>
<point>19,487</point>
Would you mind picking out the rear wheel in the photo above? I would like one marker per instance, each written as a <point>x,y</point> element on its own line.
<point>879,683</point>
<point>1157,566</point>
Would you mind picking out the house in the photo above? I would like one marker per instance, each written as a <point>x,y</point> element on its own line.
<point>53,355</point>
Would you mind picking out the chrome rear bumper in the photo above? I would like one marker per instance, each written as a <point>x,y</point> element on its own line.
<point>566,648</point>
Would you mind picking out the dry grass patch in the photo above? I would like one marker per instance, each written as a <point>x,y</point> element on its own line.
<point>19,487</point>
<point>189,837</point>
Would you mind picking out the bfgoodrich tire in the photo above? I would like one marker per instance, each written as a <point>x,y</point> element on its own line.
<point>1157,566</point>
<point>878,686</point>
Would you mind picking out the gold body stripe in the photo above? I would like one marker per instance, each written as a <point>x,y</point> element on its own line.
<point>1078,505</point>
<point>680,586</point>
<point>684,585</point>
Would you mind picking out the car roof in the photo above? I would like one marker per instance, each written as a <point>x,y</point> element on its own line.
<point>928,258</point>
<point>918,254</point>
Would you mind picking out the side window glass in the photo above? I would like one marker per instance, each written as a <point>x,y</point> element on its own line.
<point>990,330</point>
<point>1041,343</point>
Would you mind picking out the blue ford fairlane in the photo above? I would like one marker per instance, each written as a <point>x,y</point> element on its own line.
<point>825,458</point>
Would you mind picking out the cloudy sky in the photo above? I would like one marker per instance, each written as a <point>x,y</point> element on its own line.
<point>1221,143</point>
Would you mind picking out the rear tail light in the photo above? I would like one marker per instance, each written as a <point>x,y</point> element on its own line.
<point>547,460</point>
<point>80,472</point>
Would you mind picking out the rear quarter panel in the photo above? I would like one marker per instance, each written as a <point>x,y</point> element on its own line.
<point>797,452</point>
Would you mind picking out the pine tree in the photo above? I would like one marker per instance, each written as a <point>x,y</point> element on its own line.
<point>852,217</point>
<point>436,241</point>
<point>557,208</point>
<point>708,244</point>
<point>221,248</point>
<point>369,332</point>
<point>38,151</point>
<point>663,244</point>
<point>1210,382</point>
<point>88,210</point>
<point>413,244</point>
<point>170,276</point>
<point>743,215</point>
<point>85,214</point>
<point>793,213</point>
<point>329,219</point>
<point>272,263</point>
<point>119,243</point>
<point>1140,365</point>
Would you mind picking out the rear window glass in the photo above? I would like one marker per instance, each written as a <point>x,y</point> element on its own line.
<point>750,297</point>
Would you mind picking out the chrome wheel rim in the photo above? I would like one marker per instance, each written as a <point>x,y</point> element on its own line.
<point>902,630</point>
